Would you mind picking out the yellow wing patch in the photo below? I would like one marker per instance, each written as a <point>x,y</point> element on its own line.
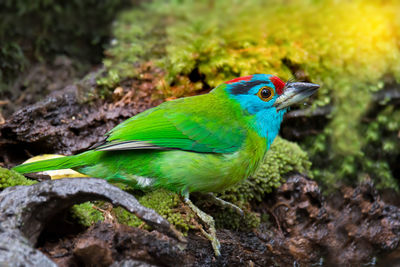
<point>56,174</point>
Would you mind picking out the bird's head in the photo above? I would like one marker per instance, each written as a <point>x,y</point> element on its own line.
<point>264,91</point>
<point>266,98</point>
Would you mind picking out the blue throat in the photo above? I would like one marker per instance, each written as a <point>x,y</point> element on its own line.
<point>267,123</point>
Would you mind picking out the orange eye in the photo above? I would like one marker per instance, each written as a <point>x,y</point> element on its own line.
<point>265,93</point>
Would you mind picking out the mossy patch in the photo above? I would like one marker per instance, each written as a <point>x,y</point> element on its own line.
<point>376,159</point>
<point>229,219</point>
<point>85,214</point>
<point>169,205</point>
<point>165,203</point>
<point>11,178</point>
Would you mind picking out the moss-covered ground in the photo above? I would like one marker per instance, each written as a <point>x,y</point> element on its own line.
<point>11,178</point>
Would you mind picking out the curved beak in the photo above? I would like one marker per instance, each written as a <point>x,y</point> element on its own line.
<point>294,93</point>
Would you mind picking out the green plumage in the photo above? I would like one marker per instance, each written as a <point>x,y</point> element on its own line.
<point>206,123</point>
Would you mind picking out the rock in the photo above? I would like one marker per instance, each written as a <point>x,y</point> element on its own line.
<point>15,250</point>
<point>351,228</point>
<point>93,252</point>
<point>131,263</point>
<point>25,211</point>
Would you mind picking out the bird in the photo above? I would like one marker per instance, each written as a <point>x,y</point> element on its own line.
<point>204,143</point>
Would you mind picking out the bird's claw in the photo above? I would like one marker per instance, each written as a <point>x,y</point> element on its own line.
<point>224,203</point>
<point>214,241</point>
<point>207,219</point>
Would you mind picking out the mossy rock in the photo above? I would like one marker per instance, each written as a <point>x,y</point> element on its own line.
<point>85,214</point>
<point>11,178</point>
<point>165,203</point>
<point>229,219</point>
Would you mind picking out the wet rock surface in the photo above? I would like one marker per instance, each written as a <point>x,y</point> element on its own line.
<point>26,210</point>
<point>350,227</point>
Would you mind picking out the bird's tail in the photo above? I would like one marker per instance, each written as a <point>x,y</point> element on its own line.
<point>68,162</point>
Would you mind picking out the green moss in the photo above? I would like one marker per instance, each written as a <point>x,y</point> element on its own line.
<point>379,150</point>
<point>382,147</point>
<point>11,178</point>
<point>85,214</point>
<point>138,37</point>
<point>228,219</point>
<point>125,217</point>
<point>168,205</point>
<point>164,202</point>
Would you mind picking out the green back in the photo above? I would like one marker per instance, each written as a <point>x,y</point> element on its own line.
<point>205,123</point>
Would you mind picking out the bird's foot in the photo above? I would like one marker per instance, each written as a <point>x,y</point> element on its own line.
<point>209,221</point>
<point>224,203</point>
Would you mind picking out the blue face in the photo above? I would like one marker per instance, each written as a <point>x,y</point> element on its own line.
<point>256,95</point>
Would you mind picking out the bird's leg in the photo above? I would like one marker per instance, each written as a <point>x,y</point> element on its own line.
<point>209,221</point>
<point>224,203</point>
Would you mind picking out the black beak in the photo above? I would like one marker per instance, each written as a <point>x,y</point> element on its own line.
<point>294,93</point>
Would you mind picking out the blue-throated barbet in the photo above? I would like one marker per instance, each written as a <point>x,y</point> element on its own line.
<point>202,143</point>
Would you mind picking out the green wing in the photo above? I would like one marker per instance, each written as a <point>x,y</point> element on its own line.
<point>202,124</point>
